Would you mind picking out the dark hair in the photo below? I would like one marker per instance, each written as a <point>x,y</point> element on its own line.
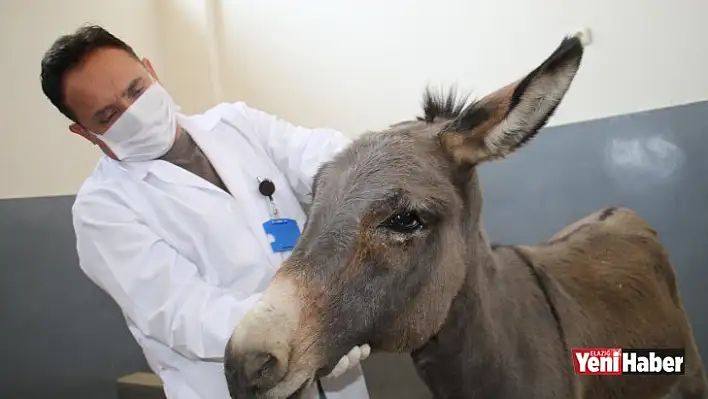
<point>67,52</point>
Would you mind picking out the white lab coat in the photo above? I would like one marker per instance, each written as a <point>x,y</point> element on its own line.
<point>183,259</point>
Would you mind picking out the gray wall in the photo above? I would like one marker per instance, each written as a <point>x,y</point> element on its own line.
<point>62,337</point>
<point>653,162</point>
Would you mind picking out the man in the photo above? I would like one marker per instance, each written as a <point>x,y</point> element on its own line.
<point>171,223</point>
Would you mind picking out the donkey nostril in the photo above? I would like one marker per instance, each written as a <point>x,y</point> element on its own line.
<point>251,371</point>
<point>261,368</point>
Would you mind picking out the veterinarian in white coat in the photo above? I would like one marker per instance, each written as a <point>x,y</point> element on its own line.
<point>184,259</point>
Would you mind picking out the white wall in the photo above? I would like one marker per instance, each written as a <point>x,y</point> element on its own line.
<point>348,64</point>
<point>189,52</point>
<point>359,64</point>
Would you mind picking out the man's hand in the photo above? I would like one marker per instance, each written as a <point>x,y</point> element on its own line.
<point>350,360</point>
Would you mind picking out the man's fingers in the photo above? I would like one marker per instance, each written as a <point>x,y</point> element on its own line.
<point>365,351</point>
<point>350,360</point>
<point>341,367</point>
<point>354,356</point>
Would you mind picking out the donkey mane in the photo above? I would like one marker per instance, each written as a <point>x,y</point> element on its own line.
<point>443,104</point>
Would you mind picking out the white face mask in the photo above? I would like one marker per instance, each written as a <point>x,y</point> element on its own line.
<point>147,129</point>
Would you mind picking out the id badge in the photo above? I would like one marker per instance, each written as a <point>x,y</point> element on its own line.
<point>285,233</point>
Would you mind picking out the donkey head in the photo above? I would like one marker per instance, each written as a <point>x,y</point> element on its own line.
<point>387,244</point>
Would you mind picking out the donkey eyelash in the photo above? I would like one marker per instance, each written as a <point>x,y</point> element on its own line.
<point>426,217</point>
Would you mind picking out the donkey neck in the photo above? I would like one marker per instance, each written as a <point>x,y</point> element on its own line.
<point>500,336</point>
<point>501,333</point>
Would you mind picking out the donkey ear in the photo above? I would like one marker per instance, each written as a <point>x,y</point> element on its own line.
<point>506,119</point>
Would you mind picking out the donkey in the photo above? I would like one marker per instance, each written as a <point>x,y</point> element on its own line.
<point>394,254</point>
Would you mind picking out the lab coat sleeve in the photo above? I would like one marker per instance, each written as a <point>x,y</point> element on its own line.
<point>297,151</point>
<point>156,287</point>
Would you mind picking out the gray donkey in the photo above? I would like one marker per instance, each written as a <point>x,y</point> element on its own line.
<point>394,255</point>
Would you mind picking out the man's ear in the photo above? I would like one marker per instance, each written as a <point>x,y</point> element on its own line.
<point>83,132</point>
<point>506,119</point>
<point>151,70</point>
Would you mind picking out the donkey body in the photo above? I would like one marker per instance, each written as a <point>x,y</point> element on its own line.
<point>604,281</point>
<point>394,254</point>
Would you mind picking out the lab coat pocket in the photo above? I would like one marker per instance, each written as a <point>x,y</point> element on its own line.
<point>231,251</point>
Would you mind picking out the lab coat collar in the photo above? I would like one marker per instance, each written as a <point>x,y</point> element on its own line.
<point>195,127</point>
<point>164,170</point>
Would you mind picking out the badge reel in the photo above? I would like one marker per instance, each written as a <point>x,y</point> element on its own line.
<point>284,231</point>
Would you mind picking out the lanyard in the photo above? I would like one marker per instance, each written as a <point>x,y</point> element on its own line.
<point>285,231</point>
<point>266,187</point>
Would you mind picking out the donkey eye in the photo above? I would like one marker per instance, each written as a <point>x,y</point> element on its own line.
<point>406,222</point>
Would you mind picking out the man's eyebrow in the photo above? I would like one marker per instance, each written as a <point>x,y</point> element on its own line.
<point>132,86</point>
<point>97,116</point>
